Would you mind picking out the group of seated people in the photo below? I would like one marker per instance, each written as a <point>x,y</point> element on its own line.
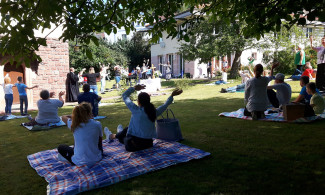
<point>258,94</point>
<point>307,72</point>
<point>87,132</point>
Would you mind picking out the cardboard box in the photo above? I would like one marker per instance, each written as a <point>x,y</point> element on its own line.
<point>293,111</point>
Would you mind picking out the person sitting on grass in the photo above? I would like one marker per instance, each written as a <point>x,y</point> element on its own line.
<point>223,79</point>
<point>241,87</point>
<point>141,130</point>
<point>304,97</point>
<point>89,97</point>
<point>316,101</point>
<point>308,72</point>
<point>48,108</point>
<point>87,134</point>
<point>256,93</point>
<point>282,95</point>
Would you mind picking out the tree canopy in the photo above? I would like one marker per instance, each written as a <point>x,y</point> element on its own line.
<point>212,38</point>
<point>81,18</point>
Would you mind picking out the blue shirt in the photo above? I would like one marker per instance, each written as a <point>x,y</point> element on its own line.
<point>86,138</point>
<point>89,97</point>
<point>140,125</point>
<point>21,88</point>
<point>305,94</point>
<point>48,111</point>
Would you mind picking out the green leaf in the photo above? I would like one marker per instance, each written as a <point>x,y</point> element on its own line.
<point>95,40</point>
<point>89,54</point>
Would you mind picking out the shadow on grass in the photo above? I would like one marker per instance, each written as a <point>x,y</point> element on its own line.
<point>246,156</point>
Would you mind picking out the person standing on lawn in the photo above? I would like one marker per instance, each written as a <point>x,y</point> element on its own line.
<point>23,95</point>
<point>320,75</point>
<point>91,78</point>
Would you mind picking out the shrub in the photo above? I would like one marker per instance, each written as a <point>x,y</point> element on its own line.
<point>133,96</point>
<point>285,57</point>
<point>182,83</point>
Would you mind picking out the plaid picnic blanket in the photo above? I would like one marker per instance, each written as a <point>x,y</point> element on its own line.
<point>271,117</point>
<point>116,165</point>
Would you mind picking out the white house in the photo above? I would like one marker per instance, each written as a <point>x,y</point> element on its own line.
<point>122,35</point>
<point>167,49</point>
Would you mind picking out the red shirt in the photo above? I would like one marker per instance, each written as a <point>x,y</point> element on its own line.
<point>307,72</point>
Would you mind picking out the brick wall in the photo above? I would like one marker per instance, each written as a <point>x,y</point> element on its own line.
<point>52,72</point>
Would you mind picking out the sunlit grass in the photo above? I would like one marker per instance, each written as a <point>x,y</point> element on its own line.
<point>247,157</point>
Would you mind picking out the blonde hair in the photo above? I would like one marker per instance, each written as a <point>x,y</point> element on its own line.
<point>80,114</point>
<point>308,65</point>
<point>7,80</point>
<point>91,70</point>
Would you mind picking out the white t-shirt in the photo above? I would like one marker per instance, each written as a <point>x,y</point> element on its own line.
<point>283,92</point>
<point>8,88</point>
<point>86,138</point>
<point>48,111</point>
<point>224,76</point>
<point>224,64</point>
<point>244,77</point>
<point>256,93</point>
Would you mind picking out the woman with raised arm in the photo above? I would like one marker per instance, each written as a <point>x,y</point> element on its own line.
<point>256,99</point>
<point>141,130</point>
<point>320,75</point>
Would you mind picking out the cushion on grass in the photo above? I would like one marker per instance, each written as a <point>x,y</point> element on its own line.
<point>116,165</point>
<point>9,117</point>
<point>99,117</point>
<point>271,117</point>
<point>43,127</point>
<point>51,125</point>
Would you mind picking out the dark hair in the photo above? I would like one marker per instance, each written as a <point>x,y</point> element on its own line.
<point>86,87</point>
<point>149,108</point>
<point>45,94</point>
<point>258,70</point>
<point>311,86</point>
<point>20,79</point>
<point>304,79</point>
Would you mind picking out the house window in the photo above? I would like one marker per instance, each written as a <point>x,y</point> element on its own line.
<point>171,61</point>
<point>161,40</point>
<point>123,36</point>
<point>309,32</point>
<point>160,61</point>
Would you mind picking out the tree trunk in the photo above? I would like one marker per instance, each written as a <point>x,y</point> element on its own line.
<point>235,65</point>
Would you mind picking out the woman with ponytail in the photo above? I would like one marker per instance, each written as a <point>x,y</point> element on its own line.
<point>141,130</point>
<point>256,99</point>
<point>87,134</point>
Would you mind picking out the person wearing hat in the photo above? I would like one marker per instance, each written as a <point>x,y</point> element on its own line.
<point>282,95</point>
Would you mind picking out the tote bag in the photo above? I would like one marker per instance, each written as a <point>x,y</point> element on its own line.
<point>168,128</point>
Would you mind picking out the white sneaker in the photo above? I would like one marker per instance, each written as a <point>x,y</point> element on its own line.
<point>119,128</point>
<point>107,133</point>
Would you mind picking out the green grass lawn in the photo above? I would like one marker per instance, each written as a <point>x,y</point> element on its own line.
<point>247,157</point>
